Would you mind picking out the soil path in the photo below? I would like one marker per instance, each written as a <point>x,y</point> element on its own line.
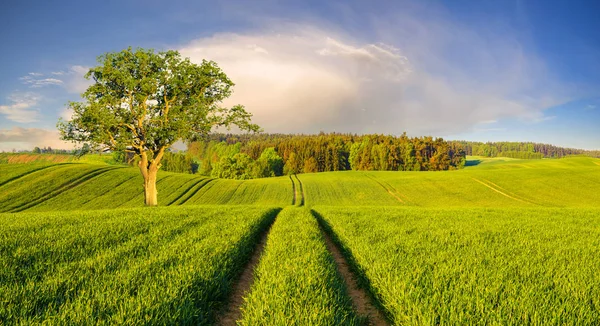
<point>293,191</point>
<point>301,191</point>
<point>360,298</point>
<point>233,311</point>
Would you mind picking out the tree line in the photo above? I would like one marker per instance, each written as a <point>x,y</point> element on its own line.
<point>521,150</point>
<point>259,155</point>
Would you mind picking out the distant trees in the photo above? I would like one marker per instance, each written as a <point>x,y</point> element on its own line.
<point>241,166</point>
<point>289,154</point>
<point>521,150</point>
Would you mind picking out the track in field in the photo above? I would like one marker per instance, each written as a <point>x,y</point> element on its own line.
<point>293,191</point>
<point>300,190</point>
<point>233,311</point>
<point>361,300</point>
<point>501,191</point>
<point>388,189</point>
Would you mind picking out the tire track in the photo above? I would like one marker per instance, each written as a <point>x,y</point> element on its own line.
<point>191,193</point>
<point>231,195</point>
<point>361,300</point>
<point>233,310</point>
<point>301,188</point>
<point>502,193</point>
<point>107,191</point>
<point>293,191</point>
<point>386,188</point>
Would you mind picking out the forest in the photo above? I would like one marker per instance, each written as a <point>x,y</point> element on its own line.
<point>521,150</point>
<point>251,156</point>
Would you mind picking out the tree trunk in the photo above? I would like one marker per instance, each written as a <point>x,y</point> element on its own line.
<point>150,192</point>
<point>149,172</point>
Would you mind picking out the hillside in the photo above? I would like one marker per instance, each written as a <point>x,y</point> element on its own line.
<point>496,182</point>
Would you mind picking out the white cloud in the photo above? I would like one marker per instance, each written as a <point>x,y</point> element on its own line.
<point>28,138</point>
<point>34,82</point>
<point>35,74</point>
<point>489,129</point>
<point>544,118</point>
<point>74,80</point>
<point>20,109</point>
<point>58,73</point>
<point>590,107</point>
<point>306,79</point>
<point>487,122</point>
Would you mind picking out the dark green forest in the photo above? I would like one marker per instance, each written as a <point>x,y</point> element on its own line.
<point>251,156</point>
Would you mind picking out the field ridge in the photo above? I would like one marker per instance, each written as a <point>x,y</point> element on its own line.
<point>26,173</point>
<point>182,199</point>
<point>63,187</point>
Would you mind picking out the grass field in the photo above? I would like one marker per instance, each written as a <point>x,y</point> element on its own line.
<point>483,266</point>
<point>571,182</point>
<point>296,279</point>
<point>503,241</point>
<point>133,266</point>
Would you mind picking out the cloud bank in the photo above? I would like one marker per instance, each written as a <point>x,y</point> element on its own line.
<point>28,138</point>
<point>21,107</point>
<point>432,77</point>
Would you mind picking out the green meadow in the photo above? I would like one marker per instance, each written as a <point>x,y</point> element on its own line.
<point>501,242</point>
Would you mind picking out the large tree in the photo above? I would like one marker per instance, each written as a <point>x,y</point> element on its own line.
<point>142,102</point>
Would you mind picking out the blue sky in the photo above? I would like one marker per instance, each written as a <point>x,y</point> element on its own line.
<point>475,70</point>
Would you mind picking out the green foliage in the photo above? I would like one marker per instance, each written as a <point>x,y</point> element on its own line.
<point>296,280</point>
<point>270,164</point>
<point>140,266</point>
<point>177,162</point>
<point>310,165</point>
<point>522,150</point>
<point>238,166</point>
<point>338,152</point>
<point>471,266</point>
<point>292,166</point>
<point>144,101</point>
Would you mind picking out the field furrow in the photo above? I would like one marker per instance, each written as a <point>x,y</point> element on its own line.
<point>296,280</point>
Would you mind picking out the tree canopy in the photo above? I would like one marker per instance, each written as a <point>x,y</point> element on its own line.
<point>142,102</point>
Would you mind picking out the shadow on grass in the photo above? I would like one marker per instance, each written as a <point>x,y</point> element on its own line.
<point>472,162</point>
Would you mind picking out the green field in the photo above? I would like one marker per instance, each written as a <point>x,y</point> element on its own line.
<point>462,266</point>
<point>503,241</point>
<point>124,266</point>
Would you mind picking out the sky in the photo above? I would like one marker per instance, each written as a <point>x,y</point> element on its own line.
<point>462,70</point>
